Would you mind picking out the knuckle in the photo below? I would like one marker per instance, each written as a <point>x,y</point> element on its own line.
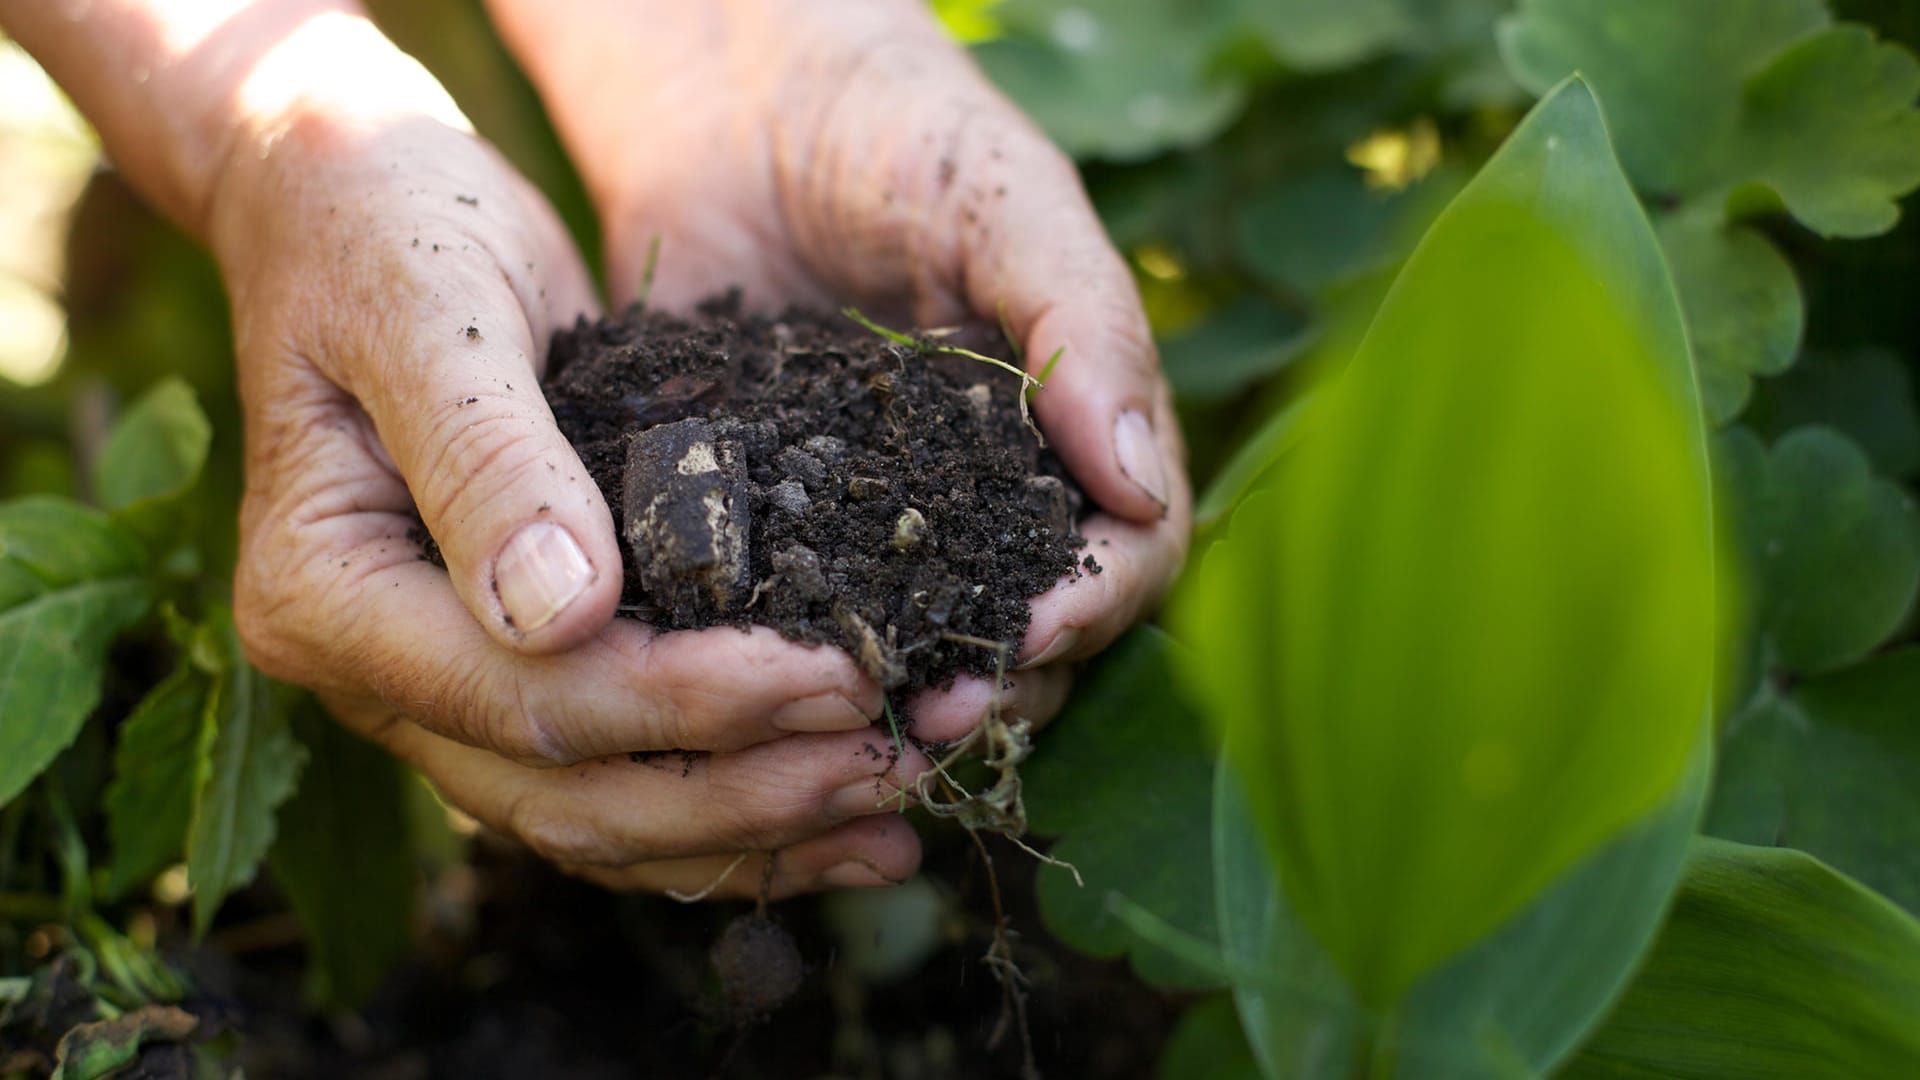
<point>472,461</point>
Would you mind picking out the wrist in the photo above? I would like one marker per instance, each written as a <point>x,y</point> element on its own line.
<point>308,108</point>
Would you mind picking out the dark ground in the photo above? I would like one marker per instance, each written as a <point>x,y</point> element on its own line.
<point>546,976</point>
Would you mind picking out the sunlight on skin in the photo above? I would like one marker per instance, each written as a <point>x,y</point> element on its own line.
<point>303,65</point>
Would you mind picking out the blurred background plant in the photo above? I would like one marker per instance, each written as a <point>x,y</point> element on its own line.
<point>1266,168</point>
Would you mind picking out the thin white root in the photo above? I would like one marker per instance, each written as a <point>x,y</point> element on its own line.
<point>696,897</point>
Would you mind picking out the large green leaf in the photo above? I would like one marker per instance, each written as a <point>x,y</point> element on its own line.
<point>1468,637</point>
<point>1514,1004</point>
<point>1126,769</point>
<point>70,581</point>
<point>1834,551</point>
<point>1708,98</point>
<point>1771,966</point>
<point>256,763</point>
<point>160,762</point>
<point>344,859</point>
<point>1832,766</point>
<point>1743,306</point>
<point>156,449</point>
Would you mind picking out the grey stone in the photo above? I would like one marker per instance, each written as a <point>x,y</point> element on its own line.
<point>800,565</point>
<point>802,466</point>
<point>828,448</point>
<point>1047,497</point>
<point>790,496</point>
<point>688,513</point>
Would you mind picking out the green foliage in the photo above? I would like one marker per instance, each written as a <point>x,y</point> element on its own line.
<point>1207,1045</point>
<point>1132,775</point>
<point>1711,99</point>
<point>156,450</point>
<point>1771,966</point>
<point>70,581</point>
<point>1743,307</point>
<point>105,1047</point>
<point>1833,551</point>
<point>1516,1003</point>
<point>1120,80</point>
<point>253,765</point>
<point>344,859</point>
<point>1829,766</point>
<point>163,757</point>
<point>1475,538</point>
<point>1867,394</point>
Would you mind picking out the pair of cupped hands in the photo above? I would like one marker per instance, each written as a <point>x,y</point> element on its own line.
<point>808,152</point>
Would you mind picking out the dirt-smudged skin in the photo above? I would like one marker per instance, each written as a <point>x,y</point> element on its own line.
<point>806,474</point>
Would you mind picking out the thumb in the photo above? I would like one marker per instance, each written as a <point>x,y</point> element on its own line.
<point>528,541</point>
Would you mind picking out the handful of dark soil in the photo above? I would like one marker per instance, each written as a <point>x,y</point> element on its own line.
<point>807,474</point>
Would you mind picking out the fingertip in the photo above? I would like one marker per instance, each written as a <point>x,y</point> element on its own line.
<point>552,594</point>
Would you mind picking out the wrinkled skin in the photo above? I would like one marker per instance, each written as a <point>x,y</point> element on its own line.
<point>394,286</point>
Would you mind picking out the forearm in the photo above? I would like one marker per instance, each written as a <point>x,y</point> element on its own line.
<point>176,88</point>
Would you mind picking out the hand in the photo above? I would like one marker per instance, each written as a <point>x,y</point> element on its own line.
<point>394,285</point>
<point>829,151</point>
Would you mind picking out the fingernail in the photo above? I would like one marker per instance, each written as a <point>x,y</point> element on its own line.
<point>868,795</point>
<point>830,711</point>
<point>539,573</point>
<point>1139,455</point>
<point>1062,642</point>
<point>854,874</point>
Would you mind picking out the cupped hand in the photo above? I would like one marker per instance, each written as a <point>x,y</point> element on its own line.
<point>829,151</point>
<point>394,285</point>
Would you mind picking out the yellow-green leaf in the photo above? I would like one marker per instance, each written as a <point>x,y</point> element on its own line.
<point>1469,635</point>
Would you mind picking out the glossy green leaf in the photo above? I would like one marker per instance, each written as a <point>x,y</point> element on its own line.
<point>1125,778</point>
<point>256,763</point>
<point>1834,550</point>
<point>1868,394</point>
<point>1224,355</point>
<point>1771,966</point>
<point>1743,307</point>
<point>1501,517</point>
<point>1832,767</point>
<point>156,449</point>
<point>1708,99</point>
<point>344,859</point>
<point>161,759</point>
<point>1121,80</point>
<point>70,581</point>
<point>1514,1004</point>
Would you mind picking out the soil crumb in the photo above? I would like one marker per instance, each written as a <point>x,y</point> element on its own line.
<point>807,474</point>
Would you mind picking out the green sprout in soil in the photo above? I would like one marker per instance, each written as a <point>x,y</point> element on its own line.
<point>646,272</point>
<point>1030,384</point>
<point>1020,357</point>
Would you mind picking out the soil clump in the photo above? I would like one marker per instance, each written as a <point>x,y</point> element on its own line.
<point>807,474</point>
